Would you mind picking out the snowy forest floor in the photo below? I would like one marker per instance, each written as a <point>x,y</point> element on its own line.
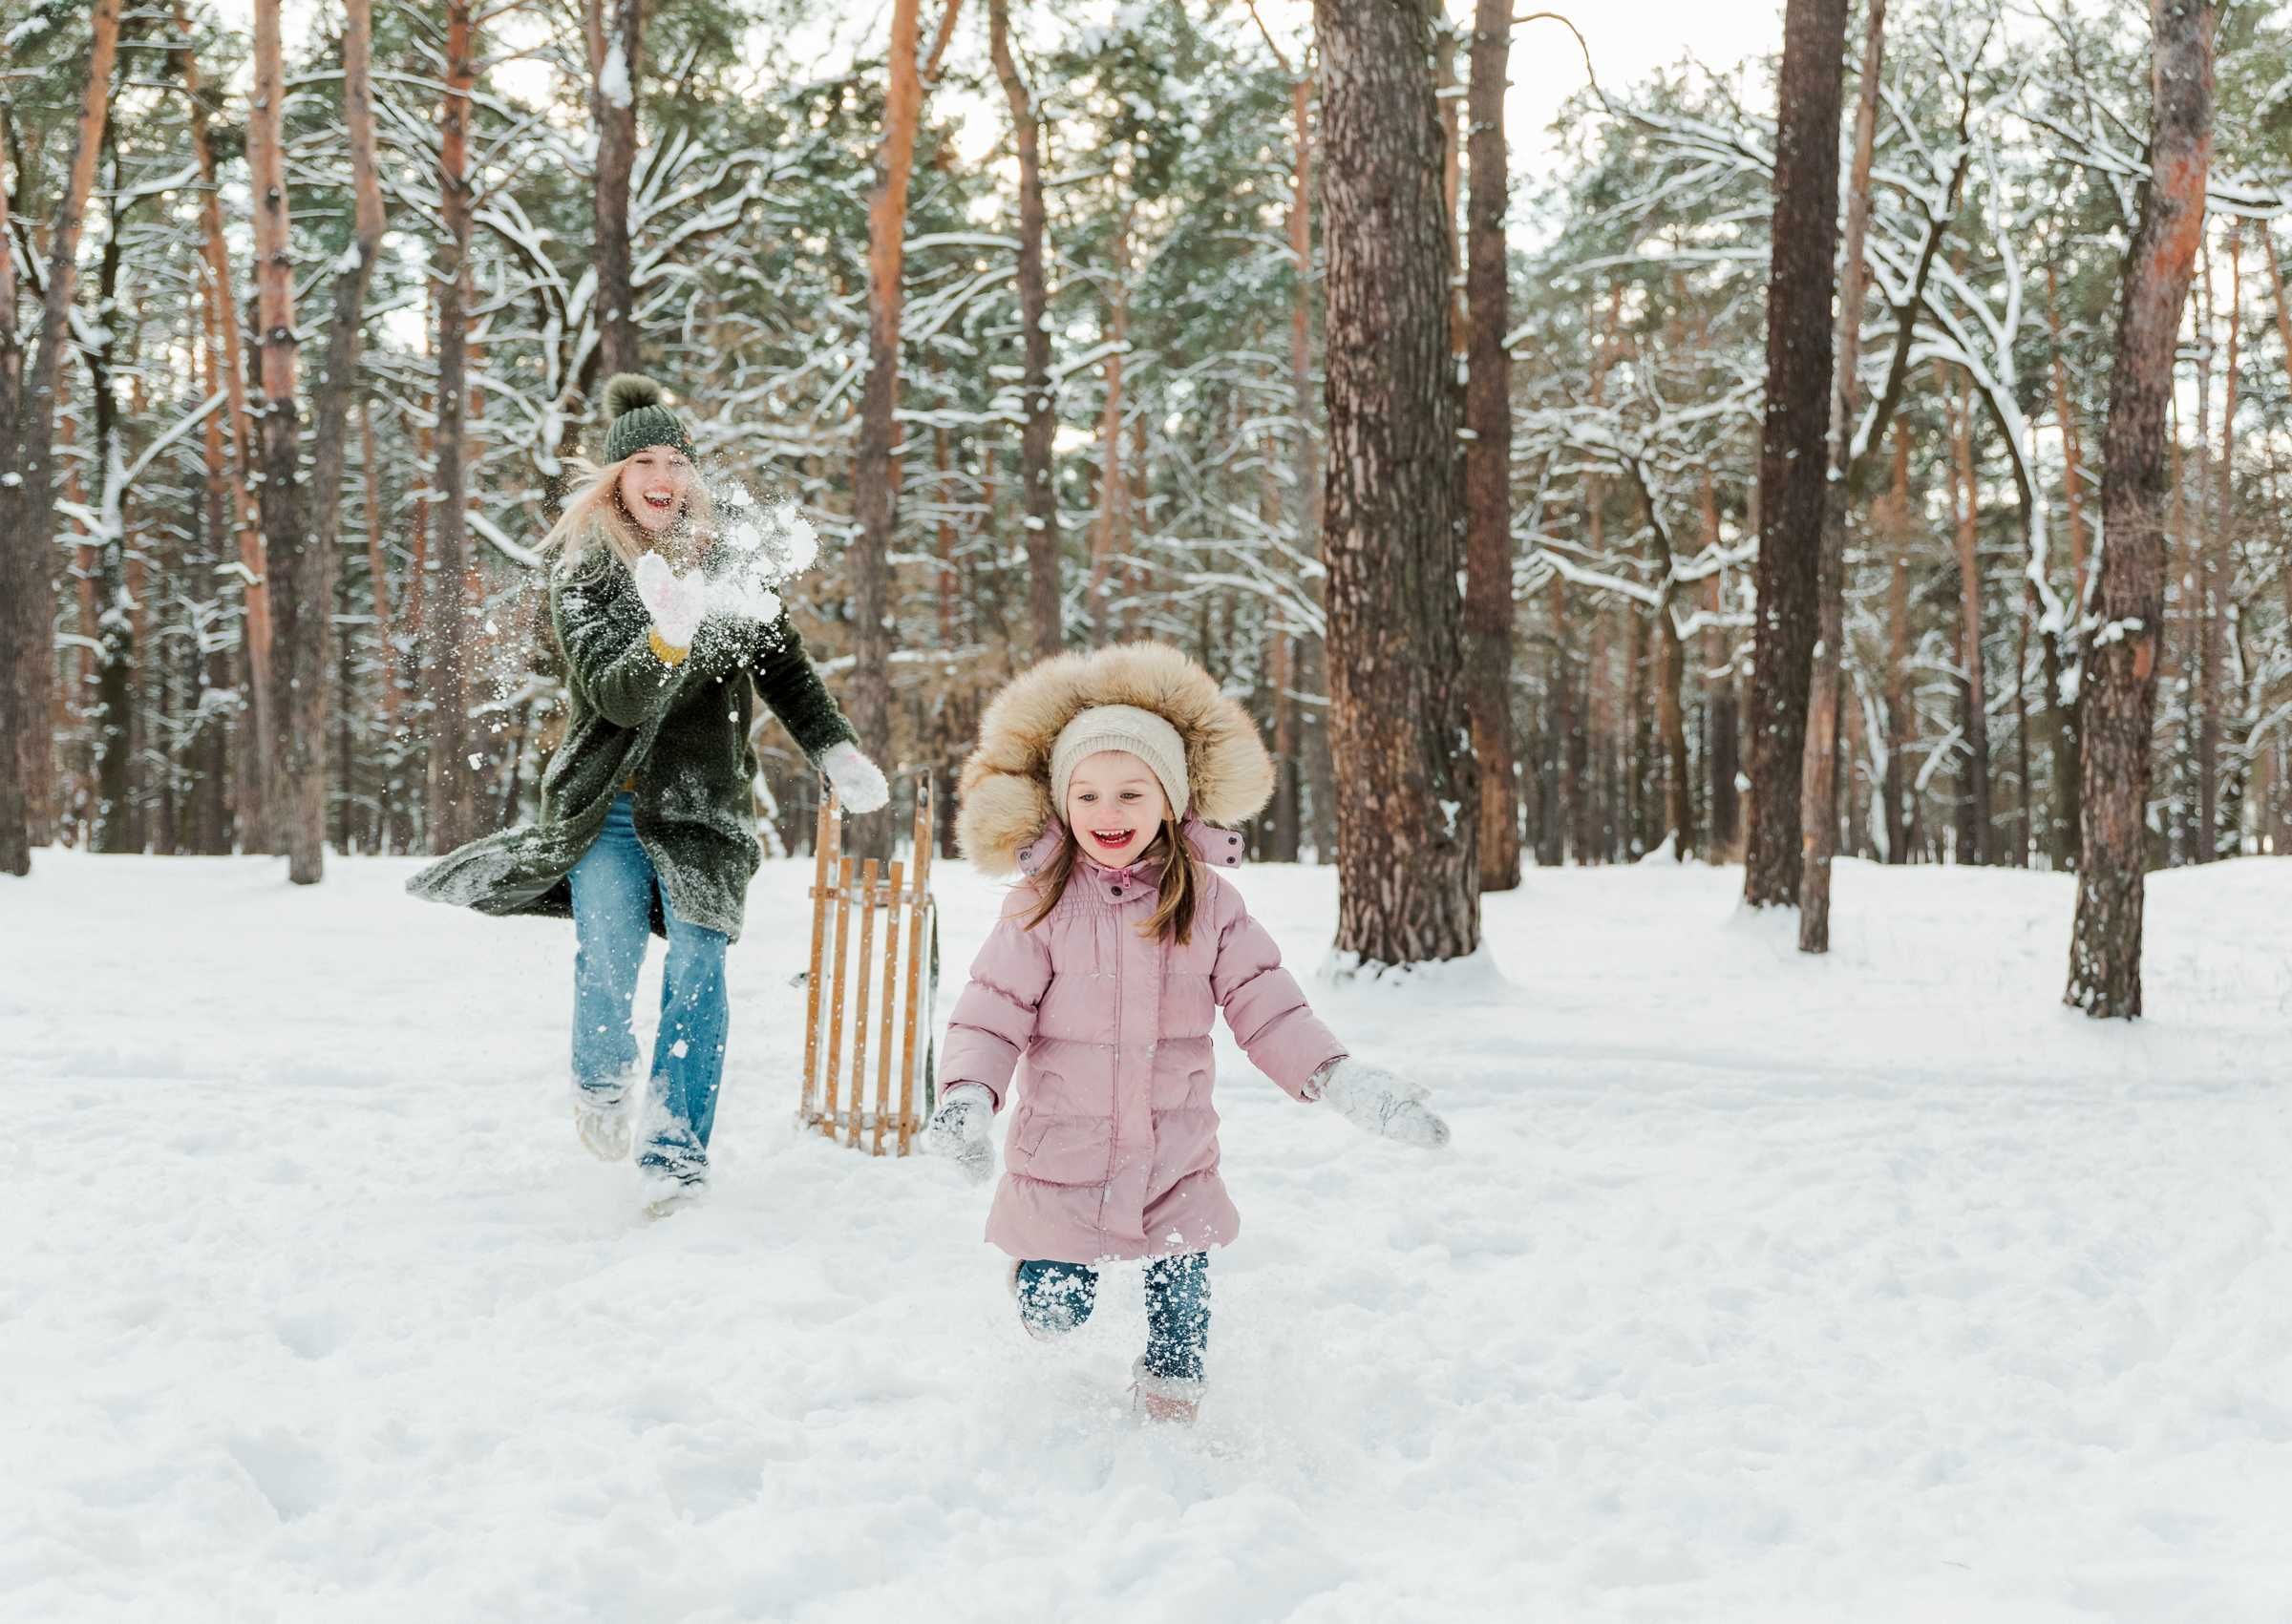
<point>1753,1287</point>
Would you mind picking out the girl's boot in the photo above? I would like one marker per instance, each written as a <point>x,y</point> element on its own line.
<point>1170,1399</point>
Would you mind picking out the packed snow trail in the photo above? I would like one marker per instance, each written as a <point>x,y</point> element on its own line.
<point>1752,1287</point>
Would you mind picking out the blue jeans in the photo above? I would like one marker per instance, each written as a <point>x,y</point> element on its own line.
<point>1056,1297</point>
<point>613,886</point>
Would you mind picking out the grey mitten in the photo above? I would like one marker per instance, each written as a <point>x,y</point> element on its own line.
<point>962,1130</point>
<point>1373,1100</point>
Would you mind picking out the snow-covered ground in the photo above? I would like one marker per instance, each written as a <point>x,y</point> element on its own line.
<point>1751,1288</point>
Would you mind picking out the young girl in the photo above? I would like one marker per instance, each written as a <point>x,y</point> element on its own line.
<point>648,820</point>
<point>1099,778</point>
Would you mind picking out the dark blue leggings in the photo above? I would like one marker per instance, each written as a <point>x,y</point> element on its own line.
<point>1056,1297</point>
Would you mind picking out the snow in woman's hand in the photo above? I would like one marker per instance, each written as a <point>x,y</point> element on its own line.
<point>859,781</point>
<point>762,547</point>
<point>741,596</point>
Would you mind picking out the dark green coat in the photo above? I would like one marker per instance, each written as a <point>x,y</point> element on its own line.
<point>681,730</point>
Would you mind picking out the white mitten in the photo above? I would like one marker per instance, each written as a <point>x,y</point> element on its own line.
<point>961,1130</point>
<point>1373,1100</point>
<point>676,603</point>
<point>859,781</point>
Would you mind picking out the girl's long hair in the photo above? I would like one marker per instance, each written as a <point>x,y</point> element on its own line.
<point>1173,915</point>
<point>595,512</point>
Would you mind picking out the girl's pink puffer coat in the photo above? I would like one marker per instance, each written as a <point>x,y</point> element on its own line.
<point>1113,1149</point>
<point>1112,1146</point>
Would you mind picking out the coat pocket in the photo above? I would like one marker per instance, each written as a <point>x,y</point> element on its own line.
<point>1062,1149</point>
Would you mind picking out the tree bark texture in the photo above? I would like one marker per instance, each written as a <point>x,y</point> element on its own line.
<point>254,566</point>
<point>1791,467</point>
<point>1818,763</point>
<point>1406,788</point>
<point>875,477</point>
<point>456,797</point>
<point>2217,570</point>
<point>1974,811</point>
<point>1488,454</point>
<point>2120,696</point>
<point>300,621</point>
<point>16,833</point>
<point>27,574</point>
<point>306,565</point>
<point>613,95</point>
<point>1037,482</point>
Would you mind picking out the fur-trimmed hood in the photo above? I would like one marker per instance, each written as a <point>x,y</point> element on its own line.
<point>1004,796</point>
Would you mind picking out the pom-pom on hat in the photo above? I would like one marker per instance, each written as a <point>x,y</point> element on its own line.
<point>633,406</point>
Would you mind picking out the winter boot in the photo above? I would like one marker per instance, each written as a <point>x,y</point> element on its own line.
<point>1171,1400</point>
<point>601,1119</point>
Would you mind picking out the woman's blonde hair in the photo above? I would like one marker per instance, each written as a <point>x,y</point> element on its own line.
<point>595,509</point>
<point>1173,915</point>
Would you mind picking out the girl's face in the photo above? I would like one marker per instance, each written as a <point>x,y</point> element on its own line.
<point>1114,806</point>
<point>653,484</point>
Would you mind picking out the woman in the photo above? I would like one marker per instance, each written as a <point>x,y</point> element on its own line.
<point>646,821</point>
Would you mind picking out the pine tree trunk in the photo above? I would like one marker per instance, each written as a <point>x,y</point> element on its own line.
<point>617,50</point>
<point>1487,456</point>
<point>27,585</point>
<point>15,834</point>
<point>2120,700</point>
<point>875,474</point>
<point>457,799</point>
<point>117,621</point>
<point>304,563</point>
<point>1408,864</point>
<point>2216,561</point>
<point>1721,728</point>
<point>1037,480</point>
<point>1819,762</point>
<point>1312,778</point>
<point>2020,857</point>
<point>207,750</point>
<point>1973,828</point>
<point>1797,411</point>
<point>1560,733</point>
<point>1670,662</point>
<point>300,621</point>
<point>254,566</point>
<point>1638,735</point>
<point>1288,829</point>
<point>1107,528</point>
<point>2061,820</point>
<point>2073,473</point>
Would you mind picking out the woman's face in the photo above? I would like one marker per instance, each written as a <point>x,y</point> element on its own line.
<point>1114,806</point>
<point>653,484</point>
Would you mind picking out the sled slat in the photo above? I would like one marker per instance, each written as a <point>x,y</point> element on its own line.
<point>919,880</point>
<point>843,910</point>
<point>891,991</point>
<point>823,840</point>
<point>867,949</point>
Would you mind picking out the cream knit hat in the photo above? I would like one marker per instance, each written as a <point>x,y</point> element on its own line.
<point>1120,728</point>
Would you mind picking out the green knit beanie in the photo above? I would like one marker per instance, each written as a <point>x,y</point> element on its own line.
<point>633,406</point>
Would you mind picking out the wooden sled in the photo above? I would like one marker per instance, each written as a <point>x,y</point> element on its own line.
<point>886,991</point>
